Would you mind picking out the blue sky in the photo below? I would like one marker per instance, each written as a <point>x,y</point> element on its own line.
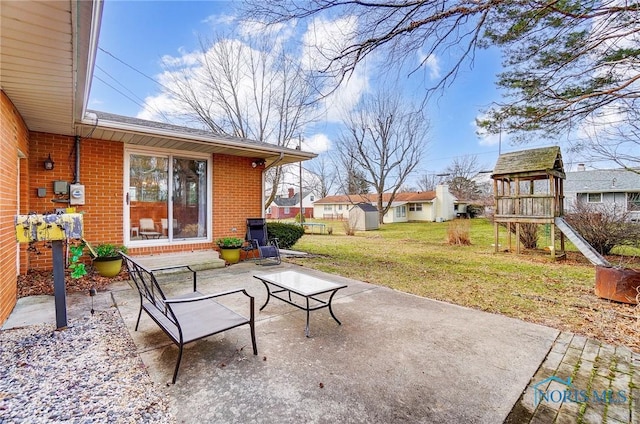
<point>140,33</point>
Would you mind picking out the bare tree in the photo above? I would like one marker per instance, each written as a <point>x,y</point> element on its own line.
<point>459,176</point>
<point>325,169</point>
<point>385,139</point>
<point>567,64</point>
<point>248,89</point>
<point>404,30</point>
<point>428,182</point>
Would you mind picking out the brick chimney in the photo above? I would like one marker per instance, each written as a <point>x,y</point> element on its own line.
<point>291,193</point>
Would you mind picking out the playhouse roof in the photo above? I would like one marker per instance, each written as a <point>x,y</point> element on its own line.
<point>531,163</point>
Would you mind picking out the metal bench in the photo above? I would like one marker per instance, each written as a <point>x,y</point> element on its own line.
<point>188,317</point>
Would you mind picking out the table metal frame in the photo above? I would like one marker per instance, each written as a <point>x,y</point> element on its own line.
<point>270,280</point>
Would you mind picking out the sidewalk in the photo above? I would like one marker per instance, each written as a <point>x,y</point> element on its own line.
<point>604,385</point>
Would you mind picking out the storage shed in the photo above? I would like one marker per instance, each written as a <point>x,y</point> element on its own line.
<point>364,217</point>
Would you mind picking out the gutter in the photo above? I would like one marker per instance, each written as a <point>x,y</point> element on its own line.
<point>274,163</point>
<point>200,139</point>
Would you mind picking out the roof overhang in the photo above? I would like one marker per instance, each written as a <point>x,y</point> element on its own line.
<point>47,51</point>
<point>186,139</point>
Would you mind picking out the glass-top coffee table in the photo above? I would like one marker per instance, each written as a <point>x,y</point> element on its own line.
<point>303,285</point>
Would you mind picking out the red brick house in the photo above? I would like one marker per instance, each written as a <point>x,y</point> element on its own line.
<point>191,186</point>
<point>288,207</point>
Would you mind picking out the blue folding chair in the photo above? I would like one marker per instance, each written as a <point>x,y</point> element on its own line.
<point>268,249</point>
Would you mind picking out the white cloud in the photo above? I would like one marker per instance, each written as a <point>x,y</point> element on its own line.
<point>431,62</point>
<point>607,118</point>
<point>186,59</point>
<point>216,20</point>
<point>317,143</point>
<point>323,40</point>
<point>486,138</point>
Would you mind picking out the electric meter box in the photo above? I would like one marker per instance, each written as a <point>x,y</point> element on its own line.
<point>76,194</point>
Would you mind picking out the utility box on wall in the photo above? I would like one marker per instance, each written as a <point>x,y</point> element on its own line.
<point>76,194</point>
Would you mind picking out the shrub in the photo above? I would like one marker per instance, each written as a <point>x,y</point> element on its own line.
<point>458,232</point>
<point>287,234</point>
<point>349,227</point>
<point>528,234</point>
<point>604,226</point>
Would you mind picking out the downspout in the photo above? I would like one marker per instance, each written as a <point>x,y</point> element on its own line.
<point>76,179</point>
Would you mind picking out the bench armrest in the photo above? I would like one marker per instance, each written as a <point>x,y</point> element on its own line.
<point>169,302</point>
<point>208,296</point>
<point>174,267</point>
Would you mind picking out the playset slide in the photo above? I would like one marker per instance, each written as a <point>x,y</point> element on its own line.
<point>585,248</point>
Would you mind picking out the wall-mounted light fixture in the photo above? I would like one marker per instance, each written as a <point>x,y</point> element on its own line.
<point>257,162</point>
<point>48,163</point>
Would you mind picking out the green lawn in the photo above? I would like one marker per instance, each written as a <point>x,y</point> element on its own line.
<point>416,258</point>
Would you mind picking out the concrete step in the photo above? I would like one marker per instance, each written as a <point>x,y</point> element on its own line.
<point>199,260</point>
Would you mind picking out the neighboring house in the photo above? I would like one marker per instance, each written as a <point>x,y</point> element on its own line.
<point>437,205</point>
<point>284,207</point>
<point>617,187</point>
<point>190,186</point>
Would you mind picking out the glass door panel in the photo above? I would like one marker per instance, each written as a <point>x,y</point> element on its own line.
<point>189,199</point>
<point>148,200</point>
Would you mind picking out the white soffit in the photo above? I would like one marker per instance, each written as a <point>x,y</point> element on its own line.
<point>44,61</point>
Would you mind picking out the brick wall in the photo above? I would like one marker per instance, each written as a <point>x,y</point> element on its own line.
<point>237,195</point>
<point>101,170</point>
<point>13,144</point>
<point>236,192</point>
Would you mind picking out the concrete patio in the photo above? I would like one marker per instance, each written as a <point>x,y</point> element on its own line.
<point>395,358</point>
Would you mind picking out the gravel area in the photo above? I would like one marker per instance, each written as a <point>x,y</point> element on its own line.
<point>87,373</point>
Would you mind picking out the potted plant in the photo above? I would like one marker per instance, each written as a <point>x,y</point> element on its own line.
<point>106,259</point>
<point>230,248</point>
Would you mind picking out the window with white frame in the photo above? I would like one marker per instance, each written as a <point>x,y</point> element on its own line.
<point>415,207</point>
<point>169,196</point>
<point>401,211</point>
<point>633,201</point>
<point>328,208</point>
<point>594,197</point>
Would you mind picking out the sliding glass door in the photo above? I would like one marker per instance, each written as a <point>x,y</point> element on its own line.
<point>155,216</point>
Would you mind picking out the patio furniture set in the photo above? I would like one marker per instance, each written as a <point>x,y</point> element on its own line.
<point>193,315</point>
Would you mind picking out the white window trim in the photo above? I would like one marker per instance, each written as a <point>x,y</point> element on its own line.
<point>126,224</point>
<point>589,198</point>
